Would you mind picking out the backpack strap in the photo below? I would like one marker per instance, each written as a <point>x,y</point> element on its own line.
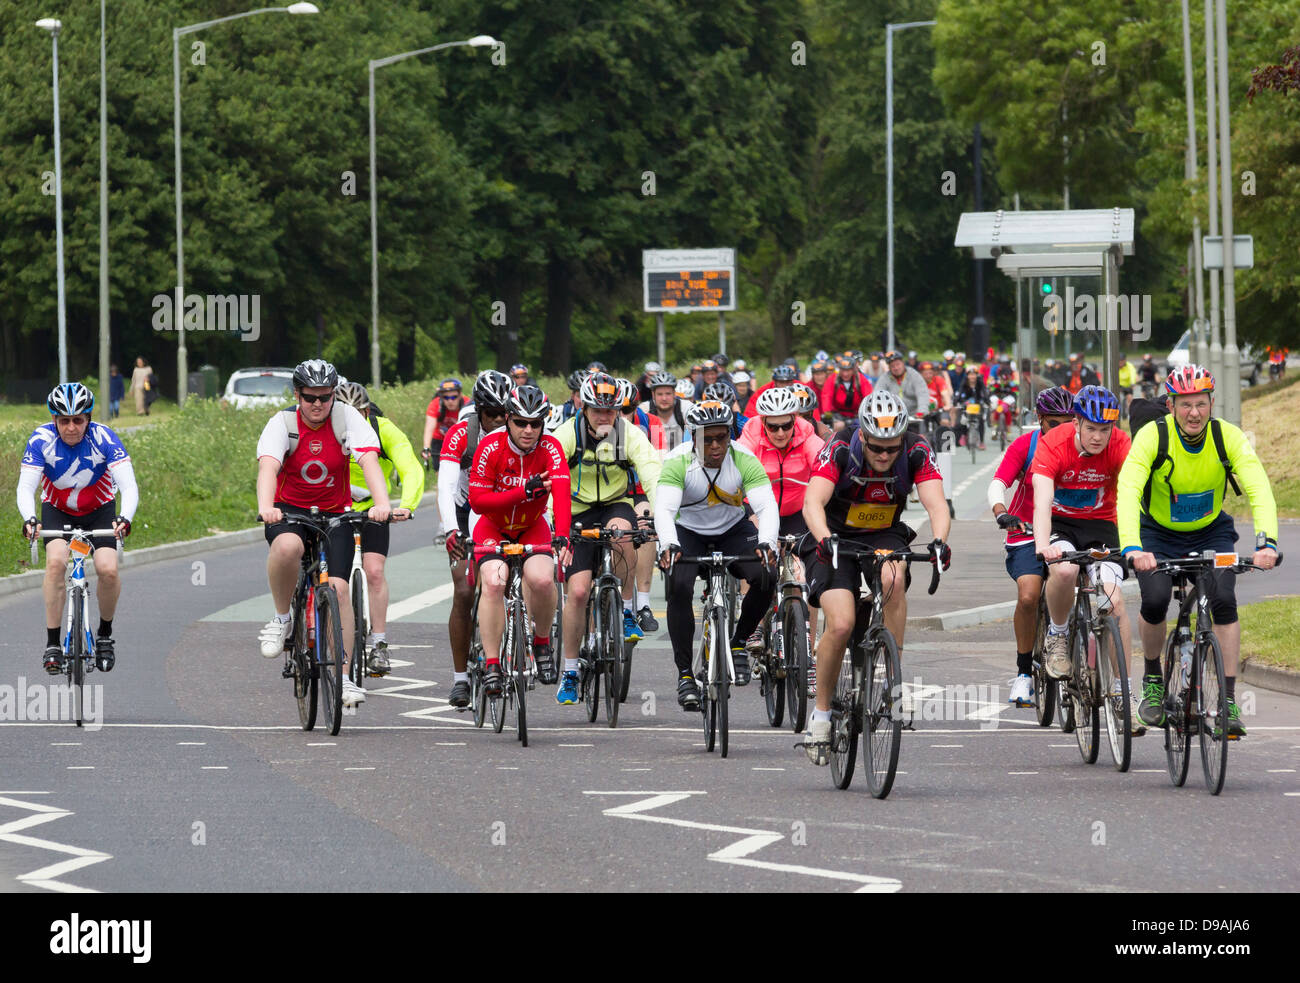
<point>1033,449</point>
<point>473,431</point>
<point>1162,455</point>
<point>1217,433</point>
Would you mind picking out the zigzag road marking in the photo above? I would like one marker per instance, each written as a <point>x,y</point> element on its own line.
<point>47,877</point>
<point>739,852</point>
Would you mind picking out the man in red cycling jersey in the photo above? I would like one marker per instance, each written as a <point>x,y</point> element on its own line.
<point>441,415</point>
<point>1055,406</point>
<point>516,469</point>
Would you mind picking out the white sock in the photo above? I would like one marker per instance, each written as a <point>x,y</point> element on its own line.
<point>1056,629</point>
<point>824,715</point>
<point>460,677</point>
<point>642,599</point>
<point>376,637</point>
<point>570,665</point>
<point>284,619</point>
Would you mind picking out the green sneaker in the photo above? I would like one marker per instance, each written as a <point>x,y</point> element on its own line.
<point>1152,708</point>
<point>1236,729</point>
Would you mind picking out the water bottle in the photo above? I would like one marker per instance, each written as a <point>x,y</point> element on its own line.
<point>1185,660</point>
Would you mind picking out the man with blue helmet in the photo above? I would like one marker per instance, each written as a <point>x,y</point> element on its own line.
<point>79,467</point>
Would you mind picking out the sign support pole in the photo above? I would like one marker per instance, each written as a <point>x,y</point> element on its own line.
<point>659,331</point>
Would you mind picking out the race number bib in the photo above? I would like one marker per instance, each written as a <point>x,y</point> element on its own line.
<point>871,516</point>
<point>1190,507</point>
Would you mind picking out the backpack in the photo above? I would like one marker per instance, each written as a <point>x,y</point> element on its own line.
<point>340,426</point>
<point>1162,455</point>
<point>1029,458</point>
<point>906,464</point>
<point>620,447</point>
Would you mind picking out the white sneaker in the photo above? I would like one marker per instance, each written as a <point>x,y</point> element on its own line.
<point>1022,691</point>
<point>353,695</point>
<point>817,742</point>
<point>273,636</point>
<point>1056,651</point>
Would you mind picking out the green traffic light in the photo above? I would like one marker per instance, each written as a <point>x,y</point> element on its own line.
<point>1047,287</point>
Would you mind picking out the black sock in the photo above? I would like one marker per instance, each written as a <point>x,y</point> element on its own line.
<point>105,628</point>
<point>1230,684</point>
<point>1151,667</point>
<point>51,636</point>
<point>1024,663</point>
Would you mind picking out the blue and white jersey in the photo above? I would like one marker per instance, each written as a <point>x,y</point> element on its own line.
<point>79,479</point>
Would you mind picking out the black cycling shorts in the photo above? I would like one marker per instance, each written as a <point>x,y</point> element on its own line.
<point>100,518</point>
<point>339,543</point>
<point>848,575</point>
<point>584,550</point>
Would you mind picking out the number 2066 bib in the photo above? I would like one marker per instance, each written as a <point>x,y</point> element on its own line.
<point>867,516</point>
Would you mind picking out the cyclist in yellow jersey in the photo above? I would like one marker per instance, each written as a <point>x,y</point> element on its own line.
<point>1171,504</point>
<point>395,454</point>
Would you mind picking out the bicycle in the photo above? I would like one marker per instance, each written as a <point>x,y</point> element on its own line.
<point>999,398</point>
<point>360,595</point>
<point>602,652</point>
<point>315,647</point>
<point>516,644</point>
<point>1196,698</point>
<point>79,638</point>
<point>786,668</point>
<point>869,689</point>
<point>1048,692</point>
<point>1091,681</point>
<point>974,419</point>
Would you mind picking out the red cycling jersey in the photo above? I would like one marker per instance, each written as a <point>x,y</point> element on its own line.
<point>837,397</point>
<point>1013,470</point>
<point>444,418</point>
<point>498,477</point>
<point>1085,484</point>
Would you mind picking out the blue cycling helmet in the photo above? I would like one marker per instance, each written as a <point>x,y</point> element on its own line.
<point>70,399</point>
<point>1097,405</point>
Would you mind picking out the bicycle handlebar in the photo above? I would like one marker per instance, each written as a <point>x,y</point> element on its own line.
<point>1190,564</point>
<point>613,533</point>
<point>880,557</point>
<point>89,534</point>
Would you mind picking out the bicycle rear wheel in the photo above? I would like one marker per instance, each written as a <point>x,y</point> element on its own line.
<point>1119,719</point>
<point>1044,685</point>
<point>611,655</point>
<point>794,638</point>
<point>846,722</point>
<point>628,649</point>
<point>882,727</point>
<point>1212,698</point>
<point>305,677</point>
<point>774,678</point>
<point>1064,705</point>
<point>329,647</point>
<point>360,657</point>
<point>1178,736</point>
<point>1087,715</point>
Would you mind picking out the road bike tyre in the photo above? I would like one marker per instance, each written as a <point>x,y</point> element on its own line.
<point>1044,685</point>
<point>882,725</point>
<point>329,641</point>
<point>794,635</point>
<point>590,662</point>
<point>722,638</point>
<point>626,675</point>
<point>76,667</point>
<point>1213,698</point>
<point>708,707</point>
<point>846,724</point>
<point>1178,737</point>
<point>772,685</point>
<point>305,679</point>
<point>1064,706</point>
<point>1119,723</point>
<point>1087,722</point>
<point>519,670</point>
<point>360,657</point>
<point>611,658</point>
<point>497,708</point>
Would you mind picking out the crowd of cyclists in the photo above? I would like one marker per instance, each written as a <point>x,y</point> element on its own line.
<point>715,461</point>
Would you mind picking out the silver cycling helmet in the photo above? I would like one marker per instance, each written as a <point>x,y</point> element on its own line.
<point>882,414</point>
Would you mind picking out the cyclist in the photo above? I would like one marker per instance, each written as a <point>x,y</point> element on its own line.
<point>957,370</point>
<point>844,392</point>
<point>905,382</point>
<point>808,409</point>
<point>442,414</point>
<point>667,407</point>
<point>685,390</point>
<point>78,466</point>
<point>1148,376</point>
<point>709,370</point>
<point>293,475</point>
<point>859,491</point>
<point>940,391</point>
<point>519,375</point>
<point>725,394</point>
<point>606,457</point>
<point>1126,379</point>
<point>491,393</point>
<point>652,427</point>
<point>817,373</point>
<point>516,469</point>
<point>1165,514</point>
<point>395,454</point>
<point>1075,475</point>
<point>700,508</point>
<point>782,376</point>
<point>743,383</point>
<point>971,390</point>
<point>1055,406</point>
<point>574,402</point>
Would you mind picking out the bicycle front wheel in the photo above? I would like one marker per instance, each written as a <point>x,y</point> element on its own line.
<point>1212,699</point>
<point>882,723</point>
<point>707,706</point>
<point>76,667</point>
<point>1044,685</point>
<point>846,722</point>
<point>1113,667</point>
<point>722,698</point>
<point>305,677</point>
<point>329,647</point>
<point>360,657</point>
<point>1087,715</point>
<point>774,679</point>
<point>611,655</point>
<point>794,638</point>
<point>628,649</point>
<point>1178,736</point>
<point>519,670</point>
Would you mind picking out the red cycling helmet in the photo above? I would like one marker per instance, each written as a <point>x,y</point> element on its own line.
<point>1188,380</point>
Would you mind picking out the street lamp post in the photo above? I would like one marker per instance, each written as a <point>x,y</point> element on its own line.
<point>54,26</point>
<point>1230,379</point>
<point>182,359</point>
<point>889,164</point>
<point>1196,298</point>
<point>478,41</point>
<point>103,212</point>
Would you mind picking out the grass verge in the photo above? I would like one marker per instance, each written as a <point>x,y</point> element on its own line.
<point>1269,630</point>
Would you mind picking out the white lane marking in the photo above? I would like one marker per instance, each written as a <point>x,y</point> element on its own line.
<point>1280,771</point>
<point>322,743</point>
<point>634,769</point>
<point>418,602</point>
<point>19,791</point>
<point>47,877</point>
<point>1289,795</point>
<point>947,745</point>
<point>575,745</point>
<point>1022,773</point>
<point>956,492</point>
<point>738,853</point>
<point>767,769</point>
<point>81,767</point>
<point>191,743</point>
<point>359,768</point>
<point>1060,745</point>
<point>507,768</point>
<point>450,743</point>
<point>1147,771</point>
<point>65,744</point>
<point>214,767</point>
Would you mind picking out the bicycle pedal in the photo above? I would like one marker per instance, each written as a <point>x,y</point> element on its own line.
<point>286,672</point>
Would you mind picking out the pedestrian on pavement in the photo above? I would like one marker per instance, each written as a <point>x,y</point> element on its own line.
<point>139,377</point>
<point>116,391</point>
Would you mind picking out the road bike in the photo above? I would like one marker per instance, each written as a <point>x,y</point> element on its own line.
<point>973,415</point>
<point>1049,693</point>
<point>787,672</point>
<point>1002,405</point>
<point>1098,685</point>
<point>1196,698</point>
<point>359,592</point>
<point>868,692</point>
<point>78,636</point>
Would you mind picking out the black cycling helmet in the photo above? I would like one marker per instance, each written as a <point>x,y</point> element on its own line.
<point>315,373</point>
<point>491,390</point>
<point>528,402</point>
<point>575,379</point>
<point>596,367</point>
<point>784,373</point>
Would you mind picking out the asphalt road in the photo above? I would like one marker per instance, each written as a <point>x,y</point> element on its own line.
<point>201,780</point>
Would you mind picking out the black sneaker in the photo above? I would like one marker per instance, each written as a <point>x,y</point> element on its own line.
<point>459,696</point>
<point>53,660</point>
<point>1151,711</point>
<point>105,654</point>
<point>688,692</point>
<point>545,660</point>
<point>378,661</point>
<point>492,680</point>
<point>646,618</point>
<point>741,661</point>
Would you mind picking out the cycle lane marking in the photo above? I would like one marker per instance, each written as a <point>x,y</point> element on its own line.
<point>47,876</point>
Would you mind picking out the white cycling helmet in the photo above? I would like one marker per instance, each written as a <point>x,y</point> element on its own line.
<point>685,388</point>
<point>555,417</point>
<point>627,395</point>
<point>882,414</point>
<point>782,401</point>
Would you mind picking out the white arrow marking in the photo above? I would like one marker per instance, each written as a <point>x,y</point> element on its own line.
<point>46,876</point>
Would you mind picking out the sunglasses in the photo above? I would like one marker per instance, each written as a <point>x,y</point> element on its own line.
<point>721,438</point>
<point>527,424</point>
<point>1053,424</point>
<point>882,450</point>
<point>779,427</point>
<point>73,421</point>
<point>451,395</point>
<point>308,398</point>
